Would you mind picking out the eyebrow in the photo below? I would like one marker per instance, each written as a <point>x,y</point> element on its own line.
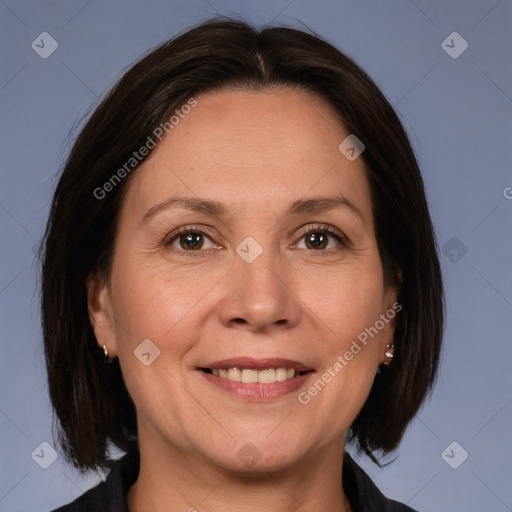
<point>316,204</point>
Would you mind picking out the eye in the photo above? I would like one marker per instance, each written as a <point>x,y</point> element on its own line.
<point>319,237</point>
<point>190,239</point>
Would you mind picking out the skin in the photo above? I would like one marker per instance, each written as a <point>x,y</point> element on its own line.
<point>257,153</point>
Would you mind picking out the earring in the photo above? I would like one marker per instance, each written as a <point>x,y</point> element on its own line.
<point>390,348</point>
<point>107,360</point>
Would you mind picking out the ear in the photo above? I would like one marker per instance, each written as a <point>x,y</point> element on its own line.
<point>101,315</point>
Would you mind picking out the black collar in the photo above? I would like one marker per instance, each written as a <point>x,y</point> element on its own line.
<point>110,495</point>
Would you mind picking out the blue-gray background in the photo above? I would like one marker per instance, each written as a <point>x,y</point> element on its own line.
<point>458,112</point>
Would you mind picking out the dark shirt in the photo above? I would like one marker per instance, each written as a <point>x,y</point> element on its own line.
<point>110,495</point>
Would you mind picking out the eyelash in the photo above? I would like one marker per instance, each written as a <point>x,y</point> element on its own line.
<point>315,228</point>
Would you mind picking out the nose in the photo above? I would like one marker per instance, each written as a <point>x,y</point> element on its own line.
<point>259,297</point>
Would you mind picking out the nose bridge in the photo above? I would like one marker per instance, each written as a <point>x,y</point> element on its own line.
<point>259,296</point>
<point>259,280</point>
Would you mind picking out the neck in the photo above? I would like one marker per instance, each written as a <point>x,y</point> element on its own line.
<point>169,477</point>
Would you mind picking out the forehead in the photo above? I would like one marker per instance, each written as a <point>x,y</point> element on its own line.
<point>243,147</point>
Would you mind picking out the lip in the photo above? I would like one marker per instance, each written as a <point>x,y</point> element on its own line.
<point>256,391</point>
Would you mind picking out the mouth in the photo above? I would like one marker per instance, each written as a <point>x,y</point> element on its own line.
<point>251,378</point>
<point>248,375</point>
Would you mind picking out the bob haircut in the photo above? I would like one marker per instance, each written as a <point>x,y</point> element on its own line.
<point>89,397</point>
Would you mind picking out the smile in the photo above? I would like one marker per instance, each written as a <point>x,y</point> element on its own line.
<point>256,379</point>
<point>246,375</point>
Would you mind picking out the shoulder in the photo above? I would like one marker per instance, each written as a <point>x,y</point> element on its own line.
<point>95,499</point>
<point>110,495</point>
<point>363,494</point>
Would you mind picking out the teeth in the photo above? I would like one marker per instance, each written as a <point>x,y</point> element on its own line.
<point>268,376</point>
<point>281,374</point>
<point>235,374</point>
<point>250,376</point>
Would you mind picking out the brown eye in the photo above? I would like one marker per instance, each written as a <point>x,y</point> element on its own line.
<point>189,239</point>
<point>319,238</point>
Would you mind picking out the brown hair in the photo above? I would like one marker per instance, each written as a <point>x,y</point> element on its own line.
<point>89,397</point>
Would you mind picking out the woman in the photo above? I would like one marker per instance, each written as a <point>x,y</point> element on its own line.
<point>240,277</point>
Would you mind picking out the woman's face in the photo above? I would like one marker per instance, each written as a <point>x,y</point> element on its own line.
<point>247,241</point>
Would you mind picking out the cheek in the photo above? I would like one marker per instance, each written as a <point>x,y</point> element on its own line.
<point>348,303</point>
<point>151,304</point>
<point>350,354</point>
<point>153,299</point>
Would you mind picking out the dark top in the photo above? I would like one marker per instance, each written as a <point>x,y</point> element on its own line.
<point>110,495</point>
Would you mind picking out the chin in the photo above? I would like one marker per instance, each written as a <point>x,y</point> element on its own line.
<point>256,458</point>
